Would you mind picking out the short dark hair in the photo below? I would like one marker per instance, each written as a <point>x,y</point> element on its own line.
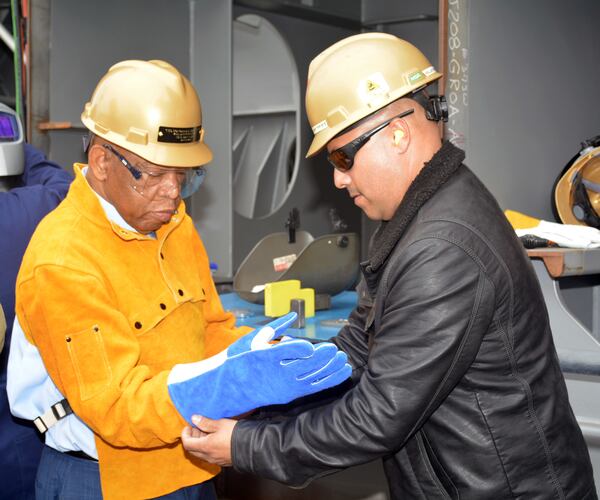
<point>421,98</point>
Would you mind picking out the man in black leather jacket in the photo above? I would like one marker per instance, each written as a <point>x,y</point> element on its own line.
<point>457,385</point>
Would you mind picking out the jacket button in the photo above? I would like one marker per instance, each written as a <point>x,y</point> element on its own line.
<point>203,292</point>
<point>96,329</point>
<point>68,339</point>
<point>138,325</point>
<point>180,292</point>
<point>163,307</point>
<point>162,256</point>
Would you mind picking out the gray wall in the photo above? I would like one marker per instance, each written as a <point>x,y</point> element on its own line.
<point>534,80</point>
<point>86,40</point>
<point>534,76</point>
<point>211,207</point>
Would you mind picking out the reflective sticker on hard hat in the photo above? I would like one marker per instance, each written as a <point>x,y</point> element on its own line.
<point>429,71</point>
<point>373,89</point>
<point>415,77</point>
<point>319,126</point>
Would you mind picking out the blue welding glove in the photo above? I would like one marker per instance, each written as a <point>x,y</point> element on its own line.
<point>252,373</point>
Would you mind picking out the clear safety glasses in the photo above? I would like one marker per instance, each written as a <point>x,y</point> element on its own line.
<point>148,180</point>
<point>342,158</point>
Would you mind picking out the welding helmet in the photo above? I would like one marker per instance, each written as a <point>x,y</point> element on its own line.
<point>359,75</point>
<point>2,328</point>
<point>12,143</point>
<point>576,194</point>
<point>152,110</point>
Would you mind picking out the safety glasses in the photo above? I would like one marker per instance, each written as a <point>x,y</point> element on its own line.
<point>343,158</point>
<point>146,181</point>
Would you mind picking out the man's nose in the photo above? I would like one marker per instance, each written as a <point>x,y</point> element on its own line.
<point>170,185</point>
<point>340,179</point>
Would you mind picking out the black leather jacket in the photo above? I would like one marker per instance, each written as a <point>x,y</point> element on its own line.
<point>457,383</point>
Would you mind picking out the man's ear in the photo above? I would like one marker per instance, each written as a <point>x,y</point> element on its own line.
<point>98,161</point>
<point>400,135</point>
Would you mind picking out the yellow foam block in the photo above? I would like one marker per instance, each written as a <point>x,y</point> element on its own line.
<point>519,220</point>
<point>279,294</point>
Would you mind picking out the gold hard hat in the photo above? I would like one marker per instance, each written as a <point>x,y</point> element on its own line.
<point>577,191</point>
<point>152,110</point>
<point>357,76</point>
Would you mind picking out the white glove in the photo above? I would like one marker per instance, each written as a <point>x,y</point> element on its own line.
<point>565,235</point>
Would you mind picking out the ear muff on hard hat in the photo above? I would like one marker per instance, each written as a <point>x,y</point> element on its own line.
<point>359,75</point>
<point>437,108</point>
<point>576,193</point>
<point>150,109</point>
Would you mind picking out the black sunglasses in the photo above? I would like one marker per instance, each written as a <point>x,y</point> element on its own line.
<point>343,158</point>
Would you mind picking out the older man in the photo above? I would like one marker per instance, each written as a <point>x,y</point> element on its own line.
<point>30,187</point>
<point>117,310</point>
<point>457,384</point>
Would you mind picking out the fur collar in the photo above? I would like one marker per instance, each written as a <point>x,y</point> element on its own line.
<point>433,175</point>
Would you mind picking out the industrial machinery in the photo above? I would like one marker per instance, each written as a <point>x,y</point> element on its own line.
<point>328,264</point>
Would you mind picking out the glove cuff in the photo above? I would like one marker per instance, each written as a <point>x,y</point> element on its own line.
<point>186,371</point>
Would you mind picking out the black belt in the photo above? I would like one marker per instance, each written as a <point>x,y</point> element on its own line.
<point>80,454</point>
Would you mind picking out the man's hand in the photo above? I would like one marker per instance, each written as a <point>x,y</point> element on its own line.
<point>210,440</point>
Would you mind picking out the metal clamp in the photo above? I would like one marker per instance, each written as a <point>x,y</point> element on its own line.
<point>298,306</point>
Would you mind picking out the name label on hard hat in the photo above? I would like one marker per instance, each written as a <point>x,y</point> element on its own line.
<point>178,134</point>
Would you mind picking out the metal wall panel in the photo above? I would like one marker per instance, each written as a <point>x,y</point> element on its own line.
<point>86,38</point>
<point>373,10</point>
<point>313,192</point>
<point>210,57</point>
